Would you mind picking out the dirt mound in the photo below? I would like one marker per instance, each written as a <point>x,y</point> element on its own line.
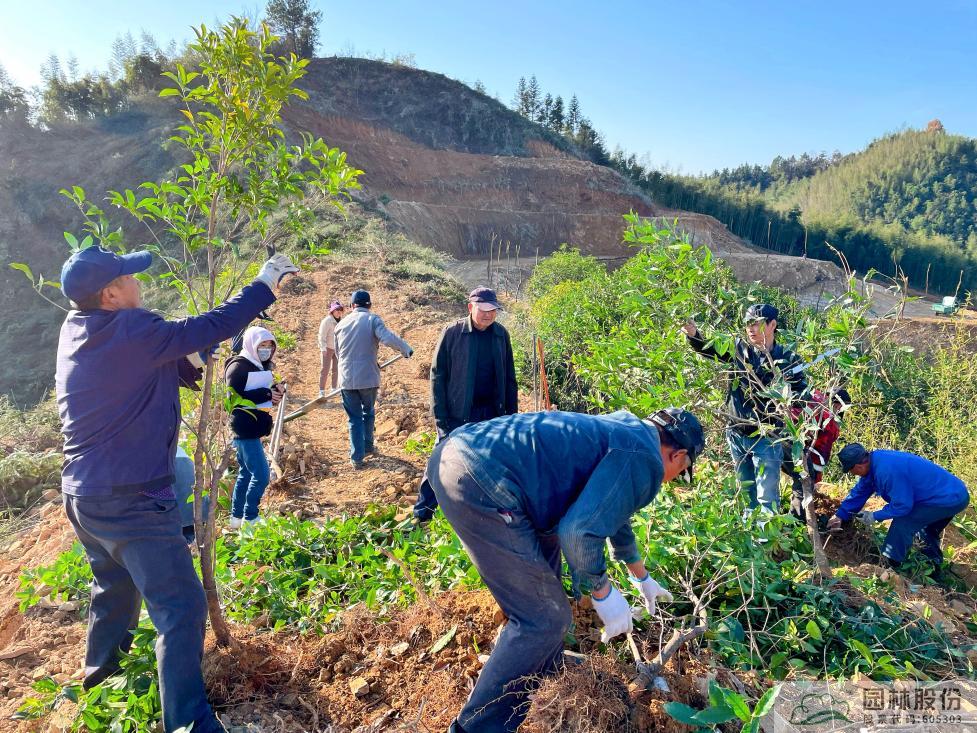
<point>417,667</point>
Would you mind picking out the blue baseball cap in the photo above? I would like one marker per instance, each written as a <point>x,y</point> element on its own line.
<point>91,269</point>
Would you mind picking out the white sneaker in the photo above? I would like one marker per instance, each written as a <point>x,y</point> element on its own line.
<point>322,393</point>
<point>235,523</point>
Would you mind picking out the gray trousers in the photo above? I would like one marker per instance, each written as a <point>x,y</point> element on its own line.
<point>137,551</point>
<point>521,567</point>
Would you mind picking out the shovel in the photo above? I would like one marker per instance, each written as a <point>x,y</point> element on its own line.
<point>276,437</point>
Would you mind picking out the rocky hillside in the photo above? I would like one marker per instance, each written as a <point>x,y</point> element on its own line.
<point>450,167</point>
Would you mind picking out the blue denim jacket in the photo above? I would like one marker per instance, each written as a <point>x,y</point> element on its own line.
<point>117,383</point>
<point>581,476</point>
<point>903,480</point>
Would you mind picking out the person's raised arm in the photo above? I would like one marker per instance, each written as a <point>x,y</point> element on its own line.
<point>166,341</point>
<point>700,345</point>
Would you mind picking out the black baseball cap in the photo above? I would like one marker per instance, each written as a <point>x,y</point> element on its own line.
<point>851,455</point>
<point>484,298</point>
<point>684,428</point>
<point>91,269</point>
<point>761,312</point>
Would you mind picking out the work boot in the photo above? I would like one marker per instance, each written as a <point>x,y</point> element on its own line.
<point>358,465</point>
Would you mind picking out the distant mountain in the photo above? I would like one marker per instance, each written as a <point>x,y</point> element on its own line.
<point>922,180</point>
<point>903,206</point>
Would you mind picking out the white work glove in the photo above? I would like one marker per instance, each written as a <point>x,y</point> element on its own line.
<point>615,612</point>
<point>274,269</point>
<point>651,591</point>
<point>866,518</point>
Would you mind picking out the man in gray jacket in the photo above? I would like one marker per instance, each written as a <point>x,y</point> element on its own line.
<point>358,337</point>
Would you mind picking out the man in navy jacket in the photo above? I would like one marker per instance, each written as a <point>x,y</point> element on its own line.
<point>922,498</point>
<point>117,380</point>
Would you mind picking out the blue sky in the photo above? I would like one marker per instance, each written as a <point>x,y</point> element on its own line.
<point>693,85</point>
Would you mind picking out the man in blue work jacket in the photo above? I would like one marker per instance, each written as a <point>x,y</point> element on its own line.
<point>117,382</point>
<point>518,489</point>
<point>922,498</point>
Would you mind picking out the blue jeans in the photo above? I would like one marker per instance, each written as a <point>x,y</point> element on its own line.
<point>521,568</point>
<point>252,478</point>
<point>137,552</point>
<point>183,488</point>
<point>757,462</point>
<point>360,410</point>
<point>924,521</point>
<point>427,502</point>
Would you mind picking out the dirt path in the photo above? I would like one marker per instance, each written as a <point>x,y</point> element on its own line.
<point>329,484</point>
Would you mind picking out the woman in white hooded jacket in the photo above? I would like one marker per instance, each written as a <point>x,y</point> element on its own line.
<point>249,375</point>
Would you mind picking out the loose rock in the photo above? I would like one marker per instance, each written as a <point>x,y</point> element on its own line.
<point>359,687</point>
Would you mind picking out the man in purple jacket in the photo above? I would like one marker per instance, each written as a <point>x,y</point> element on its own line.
<point>117,381</point>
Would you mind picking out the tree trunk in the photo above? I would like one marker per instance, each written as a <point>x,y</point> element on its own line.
<point>204,526</point>
<point>820,558</point>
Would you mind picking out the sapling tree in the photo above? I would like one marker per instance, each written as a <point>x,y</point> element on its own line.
<point>240,188</point>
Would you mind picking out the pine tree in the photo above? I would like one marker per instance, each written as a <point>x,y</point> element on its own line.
<point>479,87</point>
<point>123,49</point>
<point>297,26</point>
<point>519,100</point>
<point>573,116</point>
<point>556,121</point>
<point>51,70</point>
<point>544,109</point>
<point>532,99</point>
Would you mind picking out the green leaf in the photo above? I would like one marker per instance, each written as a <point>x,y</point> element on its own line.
<point>813,631</point>
<point>682,713</point>
<point>715,715</point>
<point>863,650</point>
<point>444,640</point>
<point>21,267</point>
<point>737,704</point>
<point>766,702</point>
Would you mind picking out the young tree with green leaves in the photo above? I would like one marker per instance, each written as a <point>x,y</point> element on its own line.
<point>241,189</point>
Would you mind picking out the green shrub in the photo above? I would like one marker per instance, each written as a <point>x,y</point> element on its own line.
<point>25,476</point>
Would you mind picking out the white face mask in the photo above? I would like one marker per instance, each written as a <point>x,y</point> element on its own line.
<point>264,354</point>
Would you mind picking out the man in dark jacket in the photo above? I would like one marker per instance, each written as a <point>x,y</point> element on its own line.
<point>921,497</point>
<point>756,364</point>
<point>521,489</point>
<point>473,378</point>
<point>117,384</point>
